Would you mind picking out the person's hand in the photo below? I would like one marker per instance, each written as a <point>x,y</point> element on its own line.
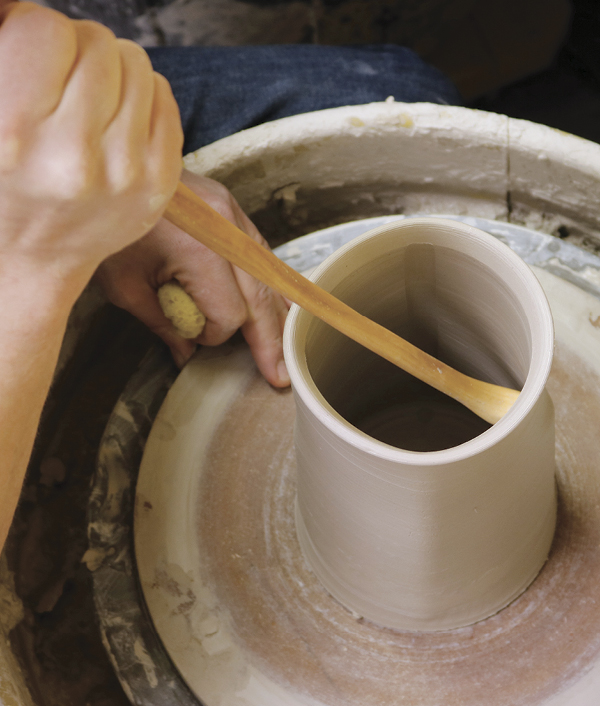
<point>90,144</point>
<point>228,297</point>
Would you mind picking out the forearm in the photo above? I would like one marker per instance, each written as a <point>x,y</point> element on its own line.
<point>35,308</point>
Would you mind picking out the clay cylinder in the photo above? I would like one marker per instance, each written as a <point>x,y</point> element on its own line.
<point>413,512</point>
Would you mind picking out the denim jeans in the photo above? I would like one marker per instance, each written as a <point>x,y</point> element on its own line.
<point>221,90</point>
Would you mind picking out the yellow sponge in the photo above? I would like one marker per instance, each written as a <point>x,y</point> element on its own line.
<point>181,310</point>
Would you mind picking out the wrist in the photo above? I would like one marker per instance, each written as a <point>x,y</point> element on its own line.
<point>38,291</point>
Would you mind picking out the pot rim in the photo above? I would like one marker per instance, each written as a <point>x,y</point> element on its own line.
<point>539,368</point>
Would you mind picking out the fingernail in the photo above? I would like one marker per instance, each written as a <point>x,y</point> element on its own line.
<point>282,373</point>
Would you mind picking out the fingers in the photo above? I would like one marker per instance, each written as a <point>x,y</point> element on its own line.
<point>263,329</point>
<point>130,289</point>
<point>33,77</point>
<point>145,135</point>
<point>127,136</point>
<point>211,283</point>
<point>71,138</point>
<point>165,143</point>
<point>266,310</point>
<point>80,94</point>
<point>91,97</point>
<point>231,299</point>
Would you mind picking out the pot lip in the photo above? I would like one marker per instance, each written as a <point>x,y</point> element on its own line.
<point>305,389</point>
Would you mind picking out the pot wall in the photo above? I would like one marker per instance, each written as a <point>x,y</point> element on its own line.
<point>454,524</point>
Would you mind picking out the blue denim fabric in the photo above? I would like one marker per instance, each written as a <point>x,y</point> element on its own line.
<point>221,90</point>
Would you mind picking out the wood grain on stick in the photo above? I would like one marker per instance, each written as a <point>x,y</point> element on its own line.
<point>190,213</point>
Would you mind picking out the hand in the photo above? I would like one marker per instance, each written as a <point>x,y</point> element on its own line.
<point>90,144</point>
<point>228,297</point>
<point>90,153</point>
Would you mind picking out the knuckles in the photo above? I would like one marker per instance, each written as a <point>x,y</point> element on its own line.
<point>125,175</point>
<point>96,31</point>
<point>225,324</point>
<point>219,197</point>
<point>235,318</point>
<point>75,175</point>
<point>262,298</point>
<point>135,52</point>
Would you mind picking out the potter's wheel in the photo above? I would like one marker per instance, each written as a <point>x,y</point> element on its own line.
<point>239,615</point>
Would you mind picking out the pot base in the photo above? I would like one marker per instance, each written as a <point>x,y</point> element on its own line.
<point>266,616</point>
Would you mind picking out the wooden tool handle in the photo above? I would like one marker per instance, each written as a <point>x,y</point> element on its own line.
<point>190,213</point>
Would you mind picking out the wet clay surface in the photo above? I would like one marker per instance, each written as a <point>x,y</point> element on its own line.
<point>300,637</point>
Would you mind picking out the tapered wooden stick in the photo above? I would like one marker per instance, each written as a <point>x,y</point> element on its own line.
<point>194,216</point>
